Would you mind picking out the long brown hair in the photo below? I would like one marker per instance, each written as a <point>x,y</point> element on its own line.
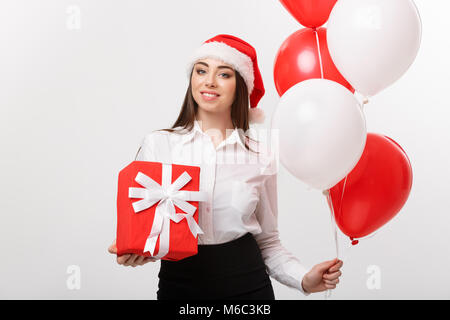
<point>239,110</point>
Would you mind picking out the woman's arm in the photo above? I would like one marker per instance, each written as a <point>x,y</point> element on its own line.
<point>281,264</point>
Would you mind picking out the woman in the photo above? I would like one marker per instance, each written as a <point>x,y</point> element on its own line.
<point>240,247</point>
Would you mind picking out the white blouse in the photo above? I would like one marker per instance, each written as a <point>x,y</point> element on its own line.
<point>242,192</point>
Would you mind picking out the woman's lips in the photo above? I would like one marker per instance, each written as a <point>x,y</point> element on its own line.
<point>209,97</point>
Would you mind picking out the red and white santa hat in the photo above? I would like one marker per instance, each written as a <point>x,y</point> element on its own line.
<point>240,55</point>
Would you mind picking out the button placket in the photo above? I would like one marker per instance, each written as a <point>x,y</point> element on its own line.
<point>209,161</point>
<point>212,159</point>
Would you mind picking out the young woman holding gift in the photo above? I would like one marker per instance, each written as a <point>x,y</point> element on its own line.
<point>240,245</point>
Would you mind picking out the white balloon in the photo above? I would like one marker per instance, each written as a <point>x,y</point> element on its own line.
<point>322,132</point>
<point>373,42</point>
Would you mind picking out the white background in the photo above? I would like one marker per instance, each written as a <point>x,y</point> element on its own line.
<point>76,103</point>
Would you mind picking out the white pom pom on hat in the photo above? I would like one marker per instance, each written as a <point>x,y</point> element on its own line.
<point>256,115</point>
<point>242,56</point>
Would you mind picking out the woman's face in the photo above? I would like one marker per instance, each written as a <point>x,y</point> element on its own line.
<point>217,78</point>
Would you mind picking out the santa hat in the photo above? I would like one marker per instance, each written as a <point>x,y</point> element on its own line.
<point>240,55</point>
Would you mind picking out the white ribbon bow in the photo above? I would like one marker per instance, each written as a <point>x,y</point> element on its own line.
<point>168,194</point>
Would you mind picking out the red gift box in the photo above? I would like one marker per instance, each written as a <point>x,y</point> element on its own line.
<point>157,210</point>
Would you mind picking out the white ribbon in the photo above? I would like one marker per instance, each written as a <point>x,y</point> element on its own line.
<point>168,194</point>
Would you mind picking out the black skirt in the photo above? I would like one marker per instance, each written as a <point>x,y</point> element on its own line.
<point>231,270</point>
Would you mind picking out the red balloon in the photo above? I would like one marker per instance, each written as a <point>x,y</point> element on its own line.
<point>299,58</point>
<point>310,13</point>
<point>375,190</point>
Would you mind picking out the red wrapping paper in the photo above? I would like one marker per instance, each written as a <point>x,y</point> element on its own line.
<point>134,228</point>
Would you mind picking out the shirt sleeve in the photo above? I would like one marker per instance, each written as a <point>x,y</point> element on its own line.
<point>281,264</point>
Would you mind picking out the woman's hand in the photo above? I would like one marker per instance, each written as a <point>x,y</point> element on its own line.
<point>322,276</point>
<point>132,260</point>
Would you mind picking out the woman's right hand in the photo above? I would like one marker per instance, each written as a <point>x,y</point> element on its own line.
<point>128,259</point>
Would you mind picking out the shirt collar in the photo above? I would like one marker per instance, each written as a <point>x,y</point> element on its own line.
<point>232,138</point>
<point>190,134</point>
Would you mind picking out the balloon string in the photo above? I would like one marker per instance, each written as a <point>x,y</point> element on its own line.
<point>339,255</point>
<point>333,222</point>
<point>330,204</point>
<point>344,253</point>
<point>318,52</point>
<point>342,193</point>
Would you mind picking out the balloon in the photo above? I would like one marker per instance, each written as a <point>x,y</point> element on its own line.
<point>299,59</point>
<point>321,131</point>
<point>375,190</point>
<point>310,13</point>
<point>373,42</point>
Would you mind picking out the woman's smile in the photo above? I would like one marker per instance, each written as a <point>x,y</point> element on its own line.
<point>209,95</point>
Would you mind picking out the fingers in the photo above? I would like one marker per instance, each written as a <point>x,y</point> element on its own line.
<point>332,276</point>
<point>139,261</point>
<point>131,260</point>
<point>143,260</point>
<point>134,260</point>
<point>335,281</point>
<point>330,280</point>
<point>330,272</point>
<point>123,258</point>
<point>112,248</point>
<point>127,259</point>
<point>336,267</point>
<point>324,266</point>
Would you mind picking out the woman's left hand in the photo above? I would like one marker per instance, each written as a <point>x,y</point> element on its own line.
<point>322,276</point>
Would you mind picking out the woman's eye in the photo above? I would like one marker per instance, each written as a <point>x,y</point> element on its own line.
<point>201,71</point>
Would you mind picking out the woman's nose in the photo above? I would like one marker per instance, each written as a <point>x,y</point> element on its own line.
<point>211,80</point>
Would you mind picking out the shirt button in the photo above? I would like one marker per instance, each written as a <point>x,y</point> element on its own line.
<point>208,209</point>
